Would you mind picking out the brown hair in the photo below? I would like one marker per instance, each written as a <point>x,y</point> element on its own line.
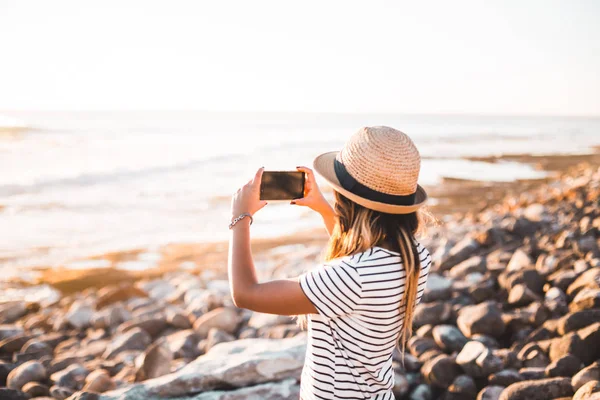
<point>358,229</point>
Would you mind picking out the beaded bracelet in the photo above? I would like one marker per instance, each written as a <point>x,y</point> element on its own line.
<point>239,218</point>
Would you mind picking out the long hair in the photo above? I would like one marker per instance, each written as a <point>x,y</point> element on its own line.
<point>358,228</point>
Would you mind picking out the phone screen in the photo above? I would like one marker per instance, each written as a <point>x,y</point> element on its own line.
<point>282,185</point>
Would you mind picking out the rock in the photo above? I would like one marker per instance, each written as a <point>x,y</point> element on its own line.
<point>71,377</point>
<point>114,294</point>
<point>36,389</point>
<point>178,318</point>
<point>532,356</point>
<point>155,362</point>
<point>431,313</point>
<point>590,339</point>
<point>477,360</point>
<point>520,295</point>
<point>80,315</point>
<point>589,373</point>
<point>286,389</point>
<point>216,336</point>
<point>463,387</point>
<point>589,279</point>
<point>29,371</point>
<point>505,377</point>
<point>437,288</point>
<point>490,393</point>
<point>586,299</point>
<point>60,393</point>
<point>98,381</point>
<point>153,326</point>
<point>418,345</point>
<point>183,344</point>
<point>12,394</point>
<point>83,395</point>
<point>261,320</point>
<point>234,364</point>
<point>8,331</point>
<point>532,373</point>
<point>5,369</point>
<point>134,339</point>
<point>520,260</point>
<point>449,338</point>
<point>11,311</point>
<point>535,212</point>
<point>422,392</point>
<point>224,318</point>
<point>542,389</point>
<point>473,264</point>
<point>110,317</point>
<point>441,371</point>
<point>14,344</point>
<point>401,385</point>
<point>484,318</point>
<point>565,366</point>
<point>585,391</point>
<point>459,253</point>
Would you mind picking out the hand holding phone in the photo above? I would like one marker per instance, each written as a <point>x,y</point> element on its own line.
<point>282,185</point>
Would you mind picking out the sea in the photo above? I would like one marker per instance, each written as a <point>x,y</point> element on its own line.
<point>76,184</point>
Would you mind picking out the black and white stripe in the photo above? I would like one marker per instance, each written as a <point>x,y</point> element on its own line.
<point>351,340</point>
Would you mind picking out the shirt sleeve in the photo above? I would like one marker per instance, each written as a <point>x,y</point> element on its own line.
<point>334,290</point>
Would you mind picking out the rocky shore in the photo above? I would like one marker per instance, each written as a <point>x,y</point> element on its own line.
<point>511,311</point>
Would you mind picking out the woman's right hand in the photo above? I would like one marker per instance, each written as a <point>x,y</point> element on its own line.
<point>313,198</point>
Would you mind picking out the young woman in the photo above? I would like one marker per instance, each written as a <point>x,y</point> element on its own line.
<point>359,303</point>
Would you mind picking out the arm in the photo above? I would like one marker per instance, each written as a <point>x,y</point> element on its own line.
<point>284,297</point>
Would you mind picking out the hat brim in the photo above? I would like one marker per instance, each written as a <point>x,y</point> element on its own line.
<point>324,166</point>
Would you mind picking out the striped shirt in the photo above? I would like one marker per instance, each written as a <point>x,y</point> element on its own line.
<point>351,339</point>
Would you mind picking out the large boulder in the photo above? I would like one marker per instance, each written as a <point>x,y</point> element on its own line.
<point>284,390</point>
<point>228,365</point>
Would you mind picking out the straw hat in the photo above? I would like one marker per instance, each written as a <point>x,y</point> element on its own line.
<point>378,168</point>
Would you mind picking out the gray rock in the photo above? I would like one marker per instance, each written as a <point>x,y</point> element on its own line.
<point>183,343</point>
<point>477,360</point>
<point>431,313</point>
<point>284,390</point>
<point>36,389</point>
<point>235,364</point>
<point>589,373</point>
<point>473,264</point>
<point>29,371</point>
<point>449,338</point>
<point>586,299</point>
<point>490,393</point>
<point>463,387</point>
<point>484,318</point>
<point>5,369</point>
<point>505,377</point>
<point>11,311</point>
<point>12,394</point>
<point>155,362</point>
<point>134,339</point>
<point>261,320</point>
<point>224,318</point>
<point>216,336</point>
<point>8,331</point>
<point>154,326</point>
<point>441,371</point>
<point>60,393</point>
<point>585,392</point>
<point>71,377</point>
<point>437,288</point>
<point>422,392</point>
<point>565,366</point>
<point>542,389</point>
<point>577,320</point>
<point>419,345</point>
<point>519,261</point>
<point>80,315</point>
<point>98,381</point>
<point>401,385</point>
<point>459,253</point>
<point>532,373</point>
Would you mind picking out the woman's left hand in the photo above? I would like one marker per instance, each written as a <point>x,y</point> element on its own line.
<point>247,198</point>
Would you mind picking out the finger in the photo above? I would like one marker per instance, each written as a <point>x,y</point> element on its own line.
<point>309,173</point>
<point>262,204</point>
<point>258,176</point>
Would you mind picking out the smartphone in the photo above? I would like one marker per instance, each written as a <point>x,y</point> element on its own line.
<point>282,185</point>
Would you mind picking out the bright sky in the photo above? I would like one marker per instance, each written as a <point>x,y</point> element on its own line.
<point>503,57</point>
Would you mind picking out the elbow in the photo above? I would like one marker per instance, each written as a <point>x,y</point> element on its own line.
<point>240,299</point>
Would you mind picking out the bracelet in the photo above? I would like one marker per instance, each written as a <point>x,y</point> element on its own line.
<point>239,218</point>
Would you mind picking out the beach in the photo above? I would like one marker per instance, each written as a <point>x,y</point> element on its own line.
<point>510,312</point>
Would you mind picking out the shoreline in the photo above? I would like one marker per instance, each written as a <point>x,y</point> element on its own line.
<point>453,197</point>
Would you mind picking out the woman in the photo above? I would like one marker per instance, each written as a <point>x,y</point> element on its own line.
<point>359,303</point>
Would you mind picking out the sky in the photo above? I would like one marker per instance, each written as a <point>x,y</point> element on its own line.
<point>475,57</point>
